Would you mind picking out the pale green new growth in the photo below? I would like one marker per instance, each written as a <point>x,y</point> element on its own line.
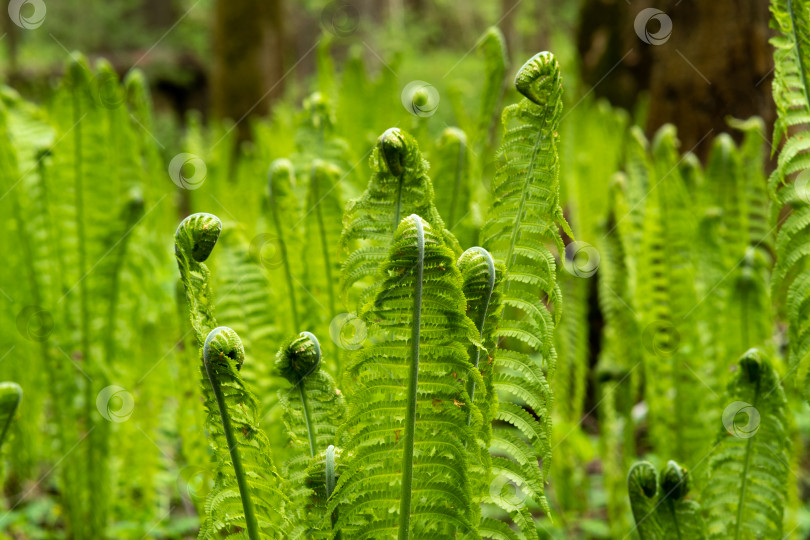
<point>524,218</point>
<point>407,399</point>
<point>399,186</point>
<point>659,507</point>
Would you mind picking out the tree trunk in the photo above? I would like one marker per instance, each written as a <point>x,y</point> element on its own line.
<point>248,61</point>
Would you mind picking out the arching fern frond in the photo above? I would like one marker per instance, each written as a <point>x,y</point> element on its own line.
<point>791,93</point>
<point>246,493</point>
<point>492,47</point>
<point>399,186</point>
<point>659,507</point>
<point>406,428</point>
<point>748,468</point>
<point>525,216</point>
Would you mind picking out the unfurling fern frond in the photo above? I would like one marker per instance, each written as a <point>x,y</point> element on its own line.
<point>246,492</point>
<point>748,468</point>
<point>659,507</point>
<point>481,288</point>
<point>194,240</point>
<point>313,407</point>
<point>399,186</point>
<point>791,93</point>
<point>406,430</point>
<point>525,216</point>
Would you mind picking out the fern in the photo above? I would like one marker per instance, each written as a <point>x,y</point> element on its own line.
<point>658,503</point>
<point>745,496</point>
<point>452,180</point>
<point>406,429</point>
<point>313,407</point>
<point>492,46</point>
<point>399,186</point>
<point>525,215</point>
<point>321,236</point>
<point>283,209</point>
<point>195,238</point>
<point>246,494</point>
<point>791,93</point>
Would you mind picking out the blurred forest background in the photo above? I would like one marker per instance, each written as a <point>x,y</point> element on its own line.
<point>237,58</point>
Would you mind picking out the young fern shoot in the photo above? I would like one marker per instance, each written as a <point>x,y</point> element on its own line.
<point>408,398</point>
<point>399,186</point>
<point>659,507</point>
<point>747,491</point>
<point>525,215</point>
<point>246,493</point>
<point>10,397</point>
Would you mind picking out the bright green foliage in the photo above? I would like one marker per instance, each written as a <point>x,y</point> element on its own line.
<point>283,212</point>
<point>745,496</point>
<point>195,238</point>
<point>791,93</point>
<point>10,397</point>
<point>525,215</point>
<point>246,490</point>
<point>658,503</point>
<point>492,46</point>
<point>406,430</point>
<point>321,269</point>
<point>665,296</point>
<point>313,408</point>
<point>481,288</point>
<point>452,181</point>
<point>399,186</point>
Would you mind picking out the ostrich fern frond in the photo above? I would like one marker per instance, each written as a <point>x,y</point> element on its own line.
<point>748,468</point>
<point>246,493</point>
<point>451,179</point>
<point>791,93</point>
<point>399,186</point>
<point>313,408</point>
<point>406,428</point>
<point>525,215</point>
<point>659,507</point>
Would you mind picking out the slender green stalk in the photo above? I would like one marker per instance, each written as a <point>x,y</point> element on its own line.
<point>330,484</point>
<point>241,479</point>
<point>413,380</point>
<point>282,244</point>
<point>304,405</point>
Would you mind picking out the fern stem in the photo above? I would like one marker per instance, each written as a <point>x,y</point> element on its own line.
<point>330,484</point>
<point>236,459</point>
<point>413,379</point>
<point>330,286</point>
<point>282,246</point>
<point>451,218</point>
<point>307,418</point>
<point>746,465</point>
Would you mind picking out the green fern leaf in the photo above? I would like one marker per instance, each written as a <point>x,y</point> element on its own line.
<point>406,427</point>
<point>246,493</point>
<point>524,217</point>
<point>748,468</point>
<point>399,186</point>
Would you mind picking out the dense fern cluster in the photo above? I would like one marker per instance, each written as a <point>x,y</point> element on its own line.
<point>408,334</point>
